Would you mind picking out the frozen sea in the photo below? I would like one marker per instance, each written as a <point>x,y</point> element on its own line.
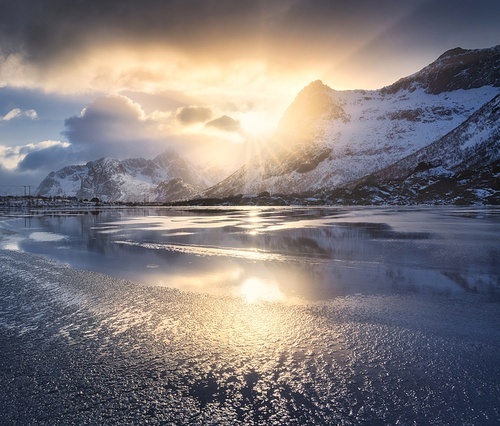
<point>269,316</point>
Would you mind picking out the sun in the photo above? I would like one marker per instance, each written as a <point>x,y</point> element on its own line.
<point>258,124</point>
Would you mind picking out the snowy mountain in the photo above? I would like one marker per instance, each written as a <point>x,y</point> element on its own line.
<point>473,143</point>
<point>463,167</point>
<point>167,177</point>
<point>435,132</point>
<point>331,139</point>
<point>454,70</point>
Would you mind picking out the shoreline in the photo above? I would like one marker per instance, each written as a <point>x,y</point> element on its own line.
<point>85,347</point>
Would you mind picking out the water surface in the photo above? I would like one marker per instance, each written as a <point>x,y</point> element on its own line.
<point>277,254</point>
<point>366,316</point>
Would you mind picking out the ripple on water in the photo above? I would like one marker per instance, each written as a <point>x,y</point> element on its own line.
<point>82,347</point>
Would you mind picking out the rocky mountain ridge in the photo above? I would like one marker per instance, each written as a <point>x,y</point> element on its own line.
<point>329,140</point>
<point>455,69</point>
<point>166,177</point>
<point>435,132</point>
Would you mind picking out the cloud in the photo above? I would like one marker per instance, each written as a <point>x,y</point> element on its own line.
<point>12,157</point>
<point>49,29</point>
<point>51,158</point>
<point>139,44</point>
<point>118,127</point>
<point>193,114</point>
<point>47,106</point>
<point>225,123</point>
<point>18,113</point>
<point>113,126</point>
<point>10,182</point>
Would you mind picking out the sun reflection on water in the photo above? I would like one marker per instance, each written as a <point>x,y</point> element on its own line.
<point>233,281</point>
<point>254,290</point>
<point>209,282</point>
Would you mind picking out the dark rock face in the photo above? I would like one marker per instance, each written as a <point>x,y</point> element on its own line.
<point>453,70</point>
<point>176,189</point>
<point>433,186</point>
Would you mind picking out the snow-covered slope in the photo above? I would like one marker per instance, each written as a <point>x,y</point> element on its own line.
<point>329,138</point>
<point>463,167</point>
<point>475,143</point>
<point>167,177</point>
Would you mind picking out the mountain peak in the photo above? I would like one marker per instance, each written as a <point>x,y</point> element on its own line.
<point>168,152</point>
<point>452,52</point>
<point>313,103</point>
<point>455,69</point>
<point>315,86</point>
<point>132,179</point>
<point>167,157</point>
<point>331,139</point>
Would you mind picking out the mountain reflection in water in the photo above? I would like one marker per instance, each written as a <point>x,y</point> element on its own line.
<point>278,254</point>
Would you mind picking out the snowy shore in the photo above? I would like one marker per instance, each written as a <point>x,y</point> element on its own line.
<point>83,348</point>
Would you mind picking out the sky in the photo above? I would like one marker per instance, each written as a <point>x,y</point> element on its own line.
<point>83,79</point>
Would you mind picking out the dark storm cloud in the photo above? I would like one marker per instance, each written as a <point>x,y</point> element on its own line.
<point>111,126</point>
<point>225,123</point>
<point>193,114</point>
<point>46,29</point>
<point>101,119</point>
<point>54,157</point>
<point>29,164</point>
